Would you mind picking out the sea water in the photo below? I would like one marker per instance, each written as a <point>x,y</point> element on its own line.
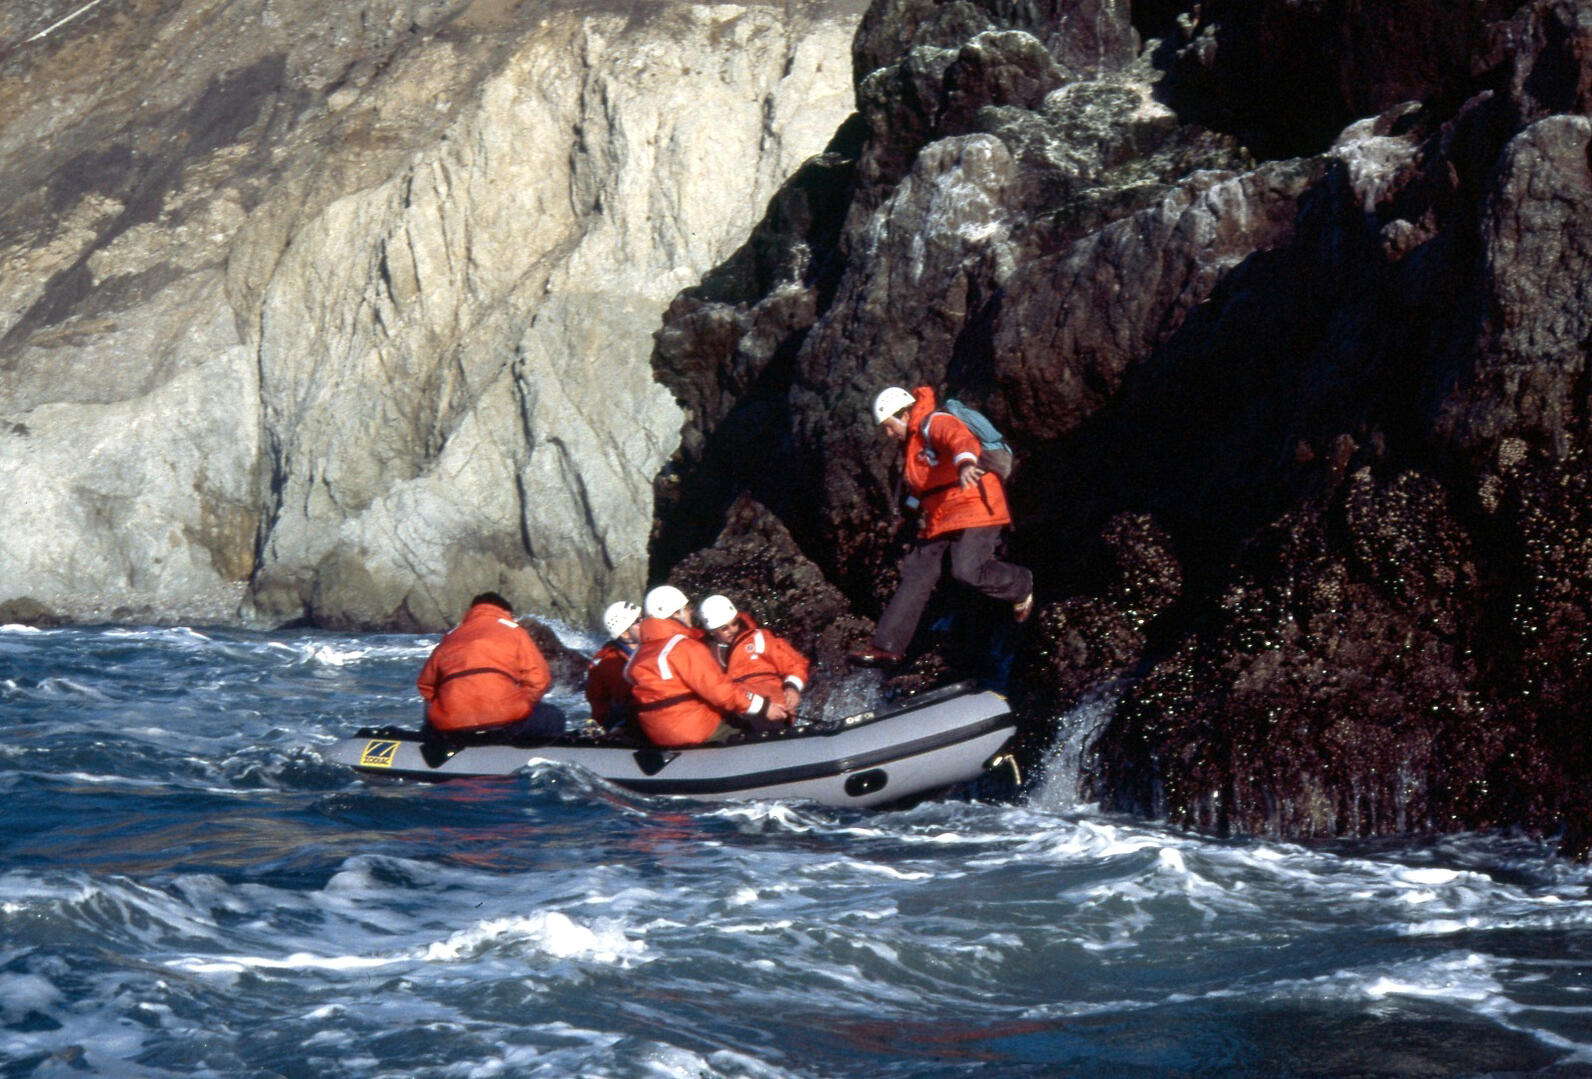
<point>187,889</point>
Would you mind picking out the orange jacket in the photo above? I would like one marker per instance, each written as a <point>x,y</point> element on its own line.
<point>605,681</point>
<point>762,662</point>
<point>932,468</point>
<point>681,692</point>
<point>487,672</point>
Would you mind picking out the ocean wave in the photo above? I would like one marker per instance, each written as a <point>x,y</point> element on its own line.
<point>550,933</point>
<point>543,934</point>
<point>188,888</point>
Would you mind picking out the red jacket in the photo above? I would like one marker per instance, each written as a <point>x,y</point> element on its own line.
<point>932,468</point>
<point>605,681</point>
<point>487,672</point>
<point>762,662</point>
<point>681,692</point>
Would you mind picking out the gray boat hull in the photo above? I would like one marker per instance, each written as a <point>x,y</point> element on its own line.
<point>937,740</point>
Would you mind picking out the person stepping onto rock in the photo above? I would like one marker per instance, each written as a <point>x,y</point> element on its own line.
<point>961,515</point>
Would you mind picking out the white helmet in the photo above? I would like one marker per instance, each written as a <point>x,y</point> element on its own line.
<point>716,612</point>
<point>891,399</point>
<point>620,617</point>
<point>665,601</point>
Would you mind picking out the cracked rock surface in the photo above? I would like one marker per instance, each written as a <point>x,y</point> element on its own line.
<point>343,312</point>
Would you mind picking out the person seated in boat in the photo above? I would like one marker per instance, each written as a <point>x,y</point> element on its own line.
<point>754,657</point>
<point>682,695</point>
<point>607,692</point>
<point>485,679</point>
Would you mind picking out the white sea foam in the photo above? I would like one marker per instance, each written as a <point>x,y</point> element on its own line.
<point>331,656</point>
<point>540,1061</point>
<point>1464,978</point>
<point>670,1062</point>
<point>546,932</point>
<point>1077,1009</point>
<point>237,964</point>
<point>92,779</point>
<point>178,635</point>
<point>1428,876</point>
<point>850,867</point>
<point>24,891</point>
<point>785,815</point>
<point>348,652</point>
<point>95,1038</point>
<point>1548,917</point>
<point>24,993</point>
<point>757,927</point>
<point>550,934</point>
<point>66,689</point>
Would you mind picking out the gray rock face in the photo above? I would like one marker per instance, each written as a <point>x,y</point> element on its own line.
<point>1528,376</point>
<point>345,313</point>
<point>1286,314</point>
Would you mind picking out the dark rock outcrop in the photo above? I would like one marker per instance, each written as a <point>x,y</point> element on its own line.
<point>1084,641</point>
<point>567,665</point>
<point>1297,291</point>
<point>760,568</point>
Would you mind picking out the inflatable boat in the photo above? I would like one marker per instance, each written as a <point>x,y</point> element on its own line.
<point>937,739</point>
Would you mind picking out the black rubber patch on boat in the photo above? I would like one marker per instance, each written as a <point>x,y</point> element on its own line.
<point>653,761</point>
<point>874,779</point>
<point>435,752</point>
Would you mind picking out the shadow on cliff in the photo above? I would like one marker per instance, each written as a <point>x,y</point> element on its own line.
<point>1287,78</point>
<point>141,182</point>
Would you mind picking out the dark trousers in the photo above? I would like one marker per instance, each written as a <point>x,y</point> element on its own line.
<point>973,562</point>
<point>736,725</point>
<point>546,720</point>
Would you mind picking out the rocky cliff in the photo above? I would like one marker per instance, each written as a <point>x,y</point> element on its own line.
<point>1286,309</point>
<point>344,311</point>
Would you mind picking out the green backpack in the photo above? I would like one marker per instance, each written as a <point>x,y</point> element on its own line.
<point>995,455</point>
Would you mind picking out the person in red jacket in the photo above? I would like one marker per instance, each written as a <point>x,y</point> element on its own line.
<point>487,677</point>
<point>682,695</point>
<point>607,692</point>
<point>962,511</point>
<point>754,658</point>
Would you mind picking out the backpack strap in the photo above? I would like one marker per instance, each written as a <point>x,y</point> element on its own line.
<point>473,671</point>
<point>678,698</point>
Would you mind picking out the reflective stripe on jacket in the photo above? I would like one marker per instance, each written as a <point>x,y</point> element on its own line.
<point>680,691</point>
<point>764,662</point>
<point>486,672</point>
<point>932,467</point>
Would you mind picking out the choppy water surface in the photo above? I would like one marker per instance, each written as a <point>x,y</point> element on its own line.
<point>186,888</point>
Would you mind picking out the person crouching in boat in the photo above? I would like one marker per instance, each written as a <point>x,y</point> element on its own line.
<point>754,657</point>
<point>607,692</point>
<point>682,695</point>
<point>483,682</point>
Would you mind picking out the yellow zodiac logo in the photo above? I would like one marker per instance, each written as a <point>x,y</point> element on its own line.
<point>379,753</point>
